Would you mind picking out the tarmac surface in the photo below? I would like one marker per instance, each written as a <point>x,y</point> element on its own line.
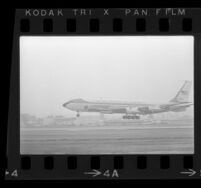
<point>110,137</point>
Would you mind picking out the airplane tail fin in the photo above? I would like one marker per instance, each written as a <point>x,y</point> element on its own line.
<point>183,93</point>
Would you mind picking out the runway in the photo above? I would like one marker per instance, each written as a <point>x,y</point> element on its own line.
<point>110,137</point>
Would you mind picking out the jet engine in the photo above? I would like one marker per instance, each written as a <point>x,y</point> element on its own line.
<point>132,110</point>
<point>138,110</point>
<point>144,110</point>
<point>179,110</point>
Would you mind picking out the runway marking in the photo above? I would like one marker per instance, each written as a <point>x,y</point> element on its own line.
<point>101,128</point>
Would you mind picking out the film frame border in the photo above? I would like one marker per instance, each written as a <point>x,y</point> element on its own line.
<point>22,167</point>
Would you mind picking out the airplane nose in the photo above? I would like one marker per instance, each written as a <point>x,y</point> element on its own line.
<point>65,104</point>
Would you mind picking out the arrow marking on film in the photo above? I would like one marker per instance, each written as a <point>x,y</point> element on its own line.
<point>94,173</point>
<point>191,172</point>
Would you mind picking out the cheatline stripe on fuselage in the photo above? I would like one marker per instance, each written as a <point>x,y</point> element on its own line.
<point>116,103</point>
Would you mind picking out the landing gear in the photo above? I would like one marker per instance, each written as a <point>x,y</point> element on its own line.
<point>78,114</point>
<point>131,117</point>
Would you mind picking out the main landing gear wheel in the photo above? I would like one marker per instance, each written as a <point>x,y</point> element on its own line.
<point>78,115</point>
<point>131,117</point>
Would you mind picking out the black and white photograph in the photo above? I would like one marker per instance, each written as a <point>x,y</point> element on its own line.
<point>92,95</point>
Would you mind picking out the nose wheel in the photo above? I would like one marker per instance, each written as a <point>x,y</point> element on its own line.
<point>78,114</point>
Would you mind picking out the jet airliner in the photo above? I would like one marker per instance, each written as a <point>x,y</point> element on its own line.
<point>133,110</point>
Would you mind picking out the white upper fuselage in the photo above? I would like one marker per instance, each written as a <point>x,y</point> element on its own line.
<point>98,106</point>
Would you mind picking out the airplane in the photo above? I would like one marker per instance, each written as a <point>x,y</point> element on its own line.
<point>133,110</point>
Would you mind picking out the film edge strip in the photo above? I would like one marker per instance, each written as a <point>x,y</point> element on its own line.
<point>164,25</point>
<point>140,163</point>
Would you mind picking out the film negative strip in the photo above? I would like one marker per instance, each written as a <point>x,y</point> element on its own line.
<point>105,94</point>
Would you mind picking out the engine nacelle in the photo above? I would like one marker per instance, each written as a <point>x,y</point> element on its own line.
<point>144,109</point>
<point>132,110</point>
<point>179,110</point>
<point>137,110</point>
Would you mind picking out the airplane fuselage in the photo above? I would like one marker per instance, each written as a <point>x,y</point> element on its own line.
<point>178,104</point>
<point>124,107</point>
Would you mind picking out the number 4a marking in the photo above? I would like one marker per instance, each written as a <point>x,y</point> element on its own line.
<point>114,174</point>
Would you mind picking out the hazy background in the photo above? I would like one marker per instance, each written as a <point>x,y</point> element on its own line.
<point>54,70</point>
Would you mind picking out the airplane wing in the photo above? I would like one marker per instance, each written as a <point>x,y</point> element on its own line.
<point>146,109</point>
<point>140,110</point>
<point>114,110</point>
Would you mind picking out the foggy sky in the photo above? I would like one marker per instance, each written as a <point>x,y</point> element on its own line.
<point>54,70</point>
